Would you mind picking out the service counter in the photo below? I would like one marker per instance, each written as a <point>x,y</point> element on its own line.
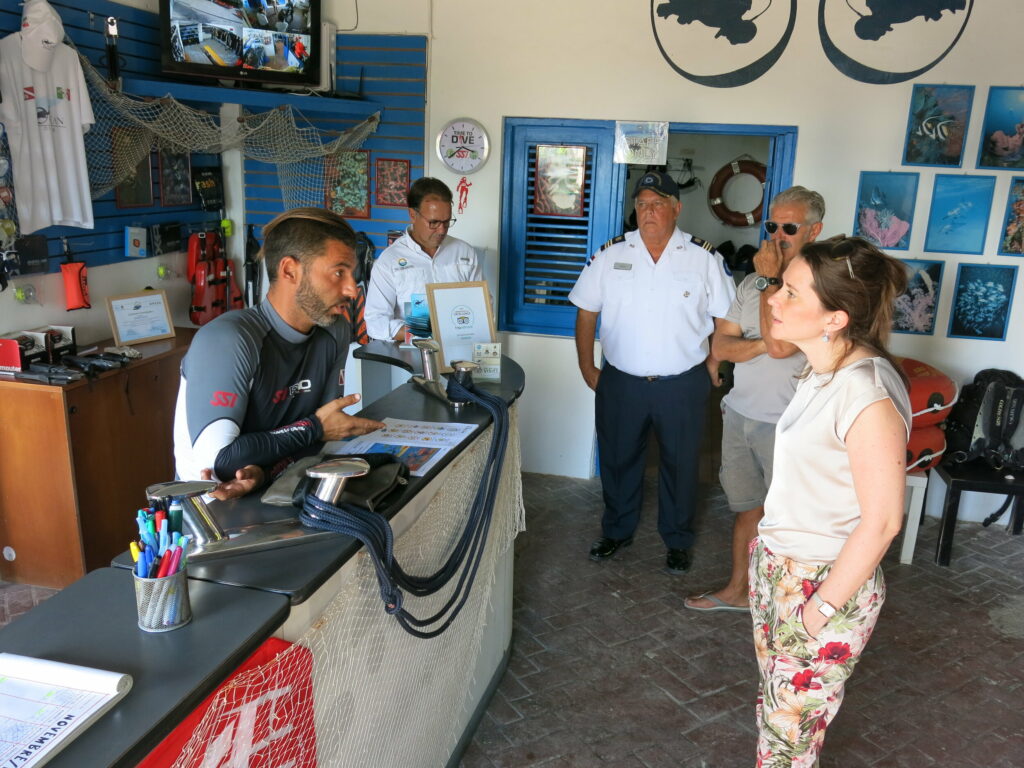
<point>382,696</point>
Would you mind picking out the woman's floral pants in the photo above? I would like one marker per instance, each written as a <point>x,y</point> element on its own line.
<point>802,677</point>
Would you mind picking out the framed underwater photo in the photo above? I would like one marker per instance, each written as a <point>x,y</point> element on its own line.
<point>982,301</point>
<point>915,308</point>
<point>958,219</point>
<point>937,124</point>
<point>1011,236</point>
<point>1002,132</point>
<point>885,208</point>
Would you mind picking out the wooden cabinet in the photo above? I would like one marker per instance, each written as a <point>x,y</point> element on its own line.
<point>75,462</point>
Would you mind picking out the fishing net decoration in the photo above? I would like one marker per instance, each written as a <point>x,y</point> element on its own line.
<point>378,696</point>
<point>135,126</point>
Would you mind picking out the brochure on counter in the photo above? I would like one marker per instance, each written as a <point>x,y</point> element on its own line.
<point>45,704</point>
<point>418,444</point>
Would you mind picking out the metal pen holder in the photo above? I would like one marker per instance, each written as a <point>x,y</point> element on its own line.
<point>163,604</point>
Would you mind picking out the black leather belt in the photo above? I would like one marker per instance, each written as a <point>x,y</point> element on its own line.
<point>667,377</point>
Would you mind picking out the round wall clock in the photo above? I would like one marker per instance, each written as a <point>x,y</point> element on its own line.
<point>463,145</point>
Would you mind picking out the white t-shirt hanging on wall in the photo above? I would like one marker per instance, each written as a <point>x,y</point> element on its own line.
<point>46,115</point>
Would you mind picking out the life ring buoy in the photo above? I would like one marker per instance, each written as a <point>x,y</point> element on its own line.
<point>718,207</point>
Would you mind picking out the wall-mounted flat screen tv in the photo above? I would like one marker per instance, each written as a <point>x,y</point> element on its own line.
<point>260,41</point>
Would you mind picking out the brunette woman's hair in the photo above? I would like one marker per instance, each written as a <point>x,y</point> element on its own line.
<point>851,275</point>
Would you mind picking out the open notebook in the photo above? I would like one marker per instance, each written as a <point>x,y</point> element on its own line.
<point>44,705</point>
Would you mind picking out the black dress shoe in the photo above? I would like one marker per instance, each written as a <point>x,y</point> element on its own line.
<point>677,560</point>
<point>604,547</point>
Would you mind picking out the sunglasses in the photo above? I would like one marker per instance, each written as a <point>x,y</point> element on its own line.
<point>789,227</point>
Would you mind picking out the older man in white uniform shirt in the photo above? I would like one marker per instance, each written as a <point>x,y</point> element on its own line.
<point>426,253</point>
<point>657,291</point>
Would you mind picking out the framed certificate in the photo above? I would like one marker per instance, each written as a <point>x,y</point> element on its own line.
<point>460,316</point>
<point>139,317</point>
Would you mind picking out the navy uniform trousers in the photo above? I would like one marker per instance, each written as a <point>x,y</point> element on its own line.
<point>626,409</point>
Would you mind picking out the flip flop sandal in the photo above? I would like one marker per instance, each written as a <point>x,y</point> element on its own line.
<point>717,604</point>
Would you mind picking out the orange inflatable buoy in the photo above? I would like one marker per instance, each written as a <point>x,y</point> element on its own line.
<point>925,447</point>
<point>718,207</point>
<point>932,393</point>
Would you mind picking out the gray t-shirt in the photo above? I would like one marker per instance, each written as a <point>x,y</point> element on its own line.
<point>764,385</point>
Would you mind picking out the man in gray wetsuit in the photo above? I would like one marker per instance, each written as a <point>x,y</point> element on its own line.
<point>262,386</point>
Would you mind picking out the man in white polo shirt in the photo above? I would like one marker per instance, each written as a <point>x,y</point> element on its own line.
<point>658,292</point>
<point>426,253</point>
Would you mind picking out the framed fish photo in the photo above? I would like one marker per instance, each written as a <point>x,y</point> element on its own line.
<point>982,301</point>
<point>1002,132</point>
<point>916,307</point>
<point>1011,236</point>
<point>958,219</point>
<point>937,124</point>
<point>885,208</point>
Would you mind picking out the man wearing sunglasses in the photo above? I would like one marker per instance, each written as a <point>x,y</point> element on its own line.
<point>426,253</point>
<point>659,293</point>
<point>765,380</point>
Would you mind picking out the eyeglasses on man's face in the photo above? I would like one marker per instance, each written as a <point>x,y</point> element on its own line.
<point>436,223</point>
<point>790,228</point>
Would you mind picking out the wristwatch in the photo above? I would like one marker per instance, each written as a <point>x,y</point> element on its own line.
<point>762,282</point>
<point>825,609</point>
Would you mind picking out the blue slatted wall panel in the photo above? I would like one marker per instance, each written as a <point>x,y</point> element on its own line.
<point>139,49</point>
<point>391,73</point>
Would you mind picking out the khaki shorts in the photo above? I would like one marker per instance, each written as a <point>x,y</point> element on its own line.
<point>747,450</point>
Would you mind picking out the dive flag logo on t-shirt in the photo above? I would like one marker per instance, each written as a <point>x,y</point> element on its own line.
<point>30,92</point>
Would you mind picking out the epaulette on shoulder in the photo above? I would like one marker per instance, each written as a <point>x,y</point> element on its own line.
<point>702,244</point>
<point>613,241</point>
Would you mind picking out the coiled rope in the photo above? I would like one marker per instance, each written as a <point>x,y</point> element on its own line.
<point>376,536</point>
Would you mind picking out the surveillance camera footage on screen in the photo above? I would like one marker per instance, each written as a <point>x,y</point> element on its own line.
<point>242,38</point>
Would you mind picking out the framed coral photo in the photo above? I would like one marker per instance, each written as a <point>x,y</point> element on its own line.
<point>1002,132</point>
<point>958,219</point>
<point>916,307</point>
<point>392,183</point>
<point>982,301</point>
<point>136,190</point>
<point>937,124</point>
<point>347,183</point>
<point>1011,236</point>
<point>885,208</point>
<point>559,180</point>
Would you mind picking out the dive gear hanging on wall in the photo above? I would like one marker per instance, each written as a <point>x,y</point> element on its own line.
<point>76,281</point>
<point>214,289</point>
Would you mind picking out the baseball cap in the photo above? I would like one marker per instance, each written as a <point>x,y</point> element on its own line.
<point>41,33</point>
<point>659,182</point>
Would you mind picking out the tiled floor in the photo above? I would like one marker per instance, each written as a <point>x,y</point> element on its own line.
<point>609,669</point>
<point>16,599</point>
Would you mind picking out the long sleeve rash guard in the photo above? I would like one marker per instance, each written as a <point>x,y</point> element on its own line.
<point>250,387</point>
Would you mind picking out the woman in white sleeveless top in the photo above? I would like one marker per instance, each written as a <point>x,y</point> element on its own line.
<point>836,499</point>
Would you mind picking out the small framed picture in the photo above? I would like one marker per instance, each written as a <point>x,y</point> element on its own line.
<point>1011,237</point>
<point>136,191</point>
<point>937,124</point>
<point>885,208</point>
<point>982,301</point>
<point>392,182</point>
<point>347,183</point>
<point>140,317</point>
<point>559,180</point>
<point>175,174</point>
<point>460,317</point>
<point>916,307</point>
<point>1002,132</point>
<point>958,219</point>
